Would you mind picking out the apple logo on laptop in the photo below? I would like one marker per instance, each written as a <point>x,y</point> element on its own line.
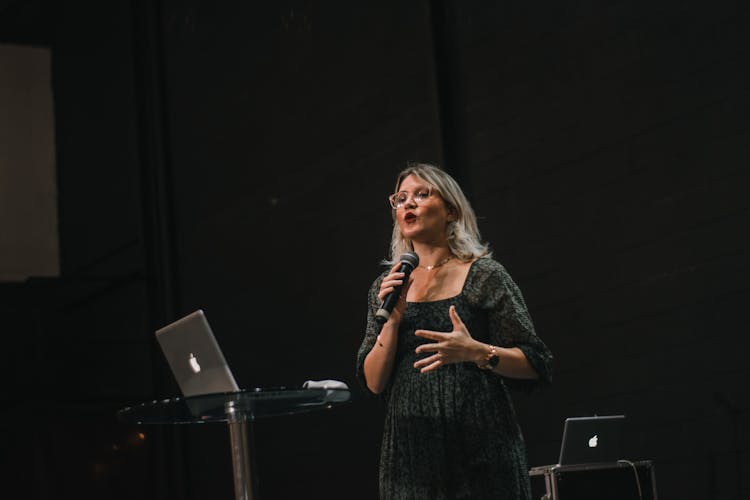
<point>594,441</point>
<point>194,363</point>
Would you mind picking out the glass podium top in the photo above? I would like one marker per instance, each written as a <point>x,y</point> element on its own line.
<point>250,404</point>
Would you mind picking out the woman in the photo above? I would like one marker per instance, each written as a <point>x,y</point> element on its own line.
<point>459,335</point>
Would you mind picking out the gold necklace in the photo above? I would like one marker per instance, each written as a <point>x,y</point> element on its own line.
<point>435,266</point>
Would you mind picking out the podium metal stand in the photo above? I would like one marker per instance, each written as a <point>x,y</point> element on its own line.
<point>621,480</point>
<point>238,410</point>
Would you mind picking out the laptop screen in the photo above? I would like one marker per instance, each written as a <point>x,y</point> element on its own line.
<point>596,439</point>
<point>194,356</point>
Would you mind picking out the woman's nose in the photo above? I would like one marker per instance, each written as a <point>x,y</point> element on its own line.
<point>410,202</point>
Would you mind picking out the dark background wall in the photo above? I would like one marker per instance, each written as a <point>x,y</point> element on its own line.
<point>236,158</point>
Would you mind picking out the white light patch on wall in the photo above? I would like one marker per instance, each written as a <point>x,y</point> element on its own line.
<point>29,243</point>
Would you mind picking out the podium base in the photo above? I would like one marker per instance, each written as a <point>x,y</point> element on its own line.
<point>620,480</point>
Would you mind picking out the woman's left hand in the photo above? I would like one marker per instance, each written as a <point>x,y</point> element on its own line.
<point>457,346</point>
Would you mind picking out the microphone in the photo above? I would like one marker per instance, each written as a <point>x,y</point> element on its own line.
<point>409,261</point>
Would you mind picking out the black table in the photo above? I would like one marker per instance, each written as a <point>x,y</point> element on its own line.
<point>620,480</point>
<point>238,409</point>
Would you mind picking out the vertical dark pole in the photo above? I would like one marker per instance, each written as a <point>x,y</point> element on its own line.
<point>445,19</point>
<point>239,435</point>
<point>169,467</point>
<point>156,175</point>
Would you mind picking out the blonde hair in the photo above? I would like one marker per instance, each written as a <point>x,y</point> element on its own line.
<point>464,240</point>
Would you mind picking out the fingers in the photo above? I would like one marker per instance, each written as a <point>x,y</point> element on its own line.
<point>429,334</point>
<point>455,318</point>
<point>448,347</point>
<point>436,360</point>
<point>429,363</point>
<point>388,288</point>
<point>389,284</point>
<point>392,282</point>
<point>429,348</point>
<point>457,325</point>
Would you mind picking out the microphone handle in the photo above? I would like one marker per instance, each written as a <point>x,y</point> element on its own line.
<point>392,298</point>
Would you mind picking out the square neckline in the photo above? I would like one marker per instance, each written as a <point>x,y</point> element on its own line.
<point>459,294</point>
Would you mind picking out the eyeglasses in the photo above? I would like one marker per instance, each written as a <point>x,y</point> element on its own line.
<point>398,200</point>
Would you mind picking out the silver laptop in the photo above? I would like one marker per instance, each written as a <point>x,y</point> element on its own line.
<point>194,356</point>
<point>596,439</point>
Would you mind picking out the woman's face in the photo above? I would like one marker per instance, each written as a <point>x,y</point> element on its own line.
<point>424,221</point>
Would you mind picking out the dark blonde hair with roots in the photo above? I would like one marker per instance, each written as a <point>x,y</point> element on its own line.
<point>464,240</point>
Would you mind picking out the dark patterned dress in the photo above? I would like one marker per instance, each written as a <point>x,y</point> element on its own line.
<point>452,433</point>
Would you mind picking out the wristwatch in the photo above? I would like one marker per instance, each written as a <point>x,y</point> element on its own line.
<point>491,360</point>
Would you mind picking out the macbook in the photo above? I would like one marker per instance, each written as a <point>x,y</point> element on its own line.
<point>596,439</point>
<point>194,356</point>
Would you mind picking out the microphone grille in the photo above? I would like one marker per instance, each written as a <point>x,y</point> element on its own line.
<point>410,258</point>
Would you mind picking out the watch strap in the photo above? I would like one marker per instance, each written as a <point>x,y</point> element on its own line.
<point>490,360</point>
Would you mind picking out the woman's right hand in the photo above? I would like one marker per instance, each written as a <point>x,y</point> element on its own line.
<point>393,279</point>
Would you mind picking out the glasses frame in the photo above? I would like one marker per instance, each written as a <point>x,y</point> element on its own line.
<point>395,206</point>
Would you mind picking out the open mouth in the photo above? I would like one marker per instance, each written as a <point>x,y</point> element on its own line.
<point>410,217</point>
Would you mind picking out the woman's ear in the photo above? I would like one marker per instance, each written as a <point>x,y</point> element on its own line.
<point>452,213</point>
